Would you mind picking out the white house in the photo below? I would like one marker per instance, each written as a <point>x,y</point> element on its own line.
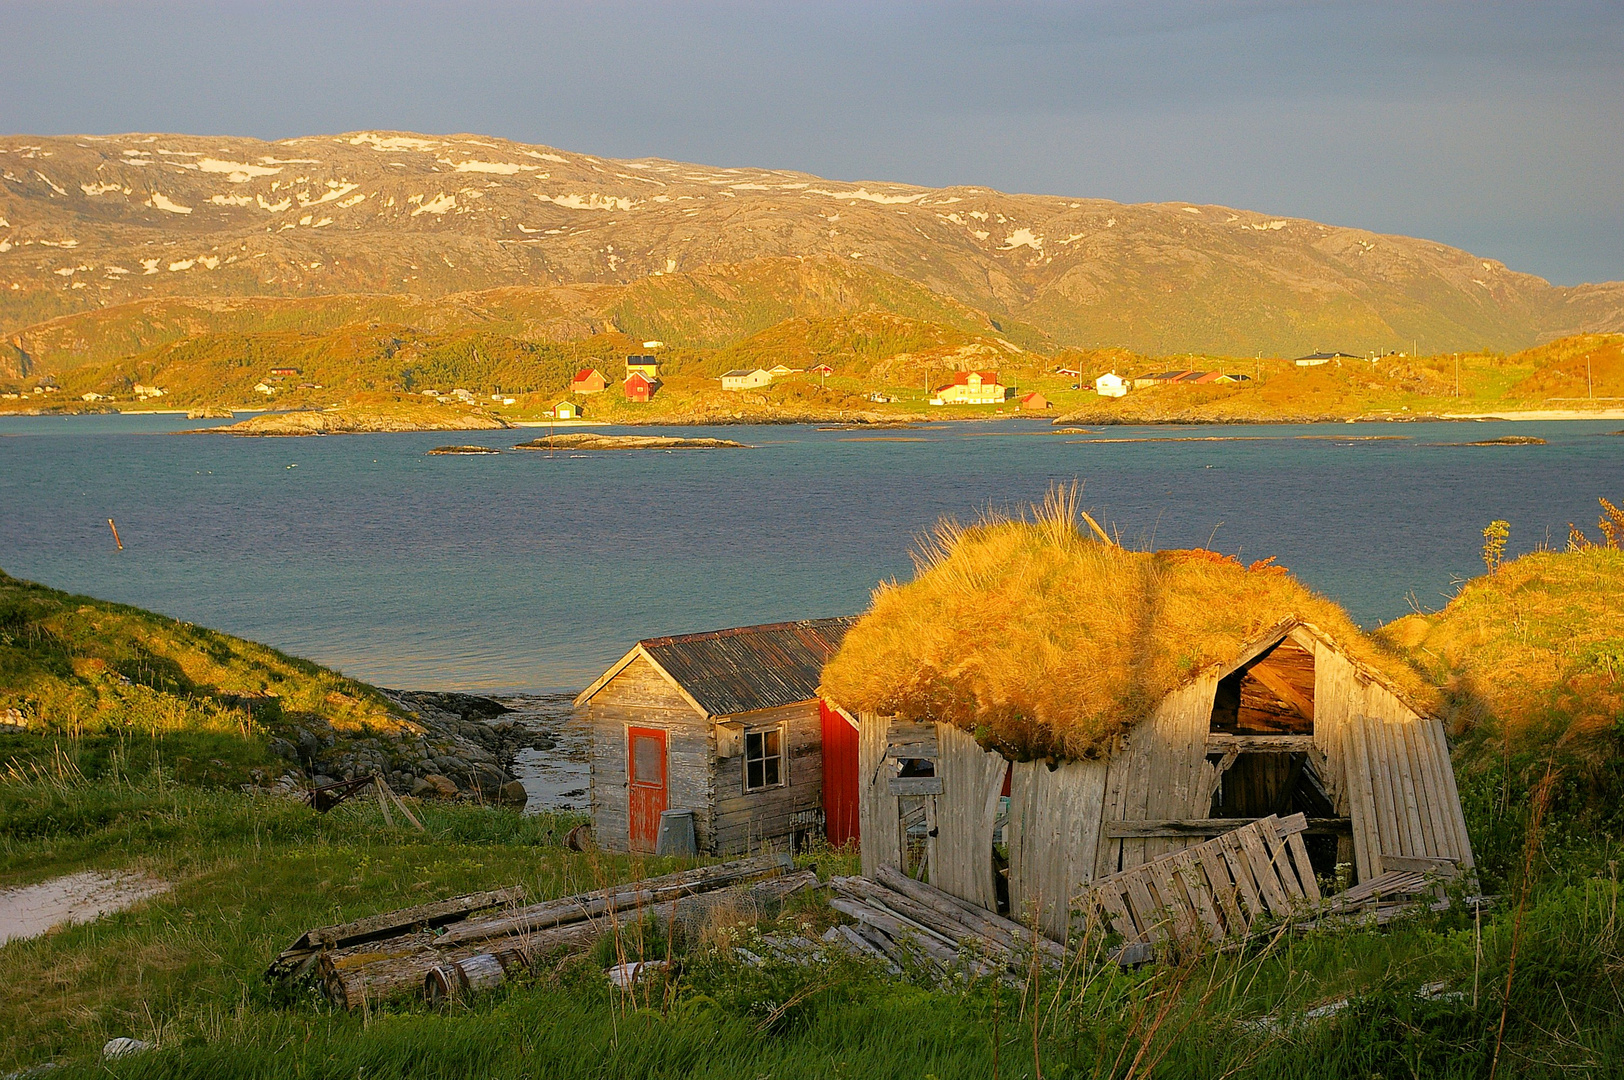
<point>1111,385</point>
<point>740,379</point>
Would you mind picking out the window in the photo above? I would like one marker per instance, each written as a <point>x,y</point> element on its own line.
<point>648,759</point>
<point>763,759</point>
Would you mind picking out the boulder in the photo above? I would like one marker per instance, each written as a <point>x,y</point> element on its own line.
<point>436,785</point>
<point>512,793</point>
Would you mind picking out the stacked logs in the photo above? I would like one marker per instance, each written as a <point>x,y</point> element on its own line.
<point>473,943</point>
<point>913,925</point>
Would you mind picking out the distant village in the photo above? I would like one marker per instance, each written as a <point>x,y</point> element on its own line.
<point>641,383</point>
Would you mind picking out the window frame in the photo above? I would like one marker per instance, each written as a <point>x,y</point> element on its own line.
<point>782,757</point>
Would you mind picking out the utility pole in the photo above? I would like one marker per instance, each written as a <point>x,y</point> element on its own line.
<point>1457,375</point>
<point>1590,387</point>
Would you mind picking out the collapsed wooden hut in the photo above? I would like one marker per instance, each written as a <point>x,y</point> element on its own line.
<point>726,724</point>
<point>1038,710</point>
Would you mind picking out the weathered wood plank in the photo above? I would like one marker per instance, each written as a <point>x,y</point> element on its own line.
<point>1209,827</point>
<point>1223,888</point>
<point>1366,809</point>
<point>878,820</point>
<point>1463,840</point>
<point>972,781</point>
<point>914,785</point>
<point>1219,742</point>
<point>1280,858</point>
<point>1240,871</point>
<point>1305,868</point>
<point>1261,863</point>
<point>1146,910</point>
<point>1192,876</point>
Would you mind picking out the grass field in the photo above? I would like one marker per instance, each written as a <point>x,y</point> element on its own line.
<point>185,970</point>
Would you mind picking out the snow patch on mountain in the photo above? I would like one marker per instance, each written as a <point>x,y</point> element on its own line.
<point>1022,237</point>
<point>163,202</point>
<point>437,205</point>
<point>237,172</point>
<point>864,195</point>
<point>392,142</point>
<point>499,168</point>
<point>590,201</point>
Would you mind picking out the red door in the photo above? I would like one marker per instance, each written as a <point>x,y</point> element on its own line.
<point>645,771</point>
<point>839,777</point>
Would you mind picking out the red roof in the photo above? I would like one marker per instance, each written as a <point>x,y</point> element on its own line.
<point>588,375</point>
<point>962,378</point>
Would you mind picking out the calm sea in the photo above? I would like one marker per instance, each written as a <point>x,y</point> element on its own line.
<point>532,572</point>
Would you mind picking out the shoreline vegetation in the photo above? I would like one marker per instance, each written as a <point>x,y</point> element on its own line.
<point>339,365</point>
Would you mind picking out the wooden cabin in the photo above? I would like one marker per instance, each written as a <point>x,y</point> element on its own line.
<point>588,381</point>
<point>728,724</point>
<point>1290,723</point>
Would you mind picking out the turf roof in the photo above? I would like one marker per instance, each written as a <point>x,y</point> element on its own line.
<point>1044,642</point>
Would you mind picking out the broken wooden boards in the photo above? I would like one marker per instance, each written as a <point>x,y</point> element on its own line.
<point>1213,892</point>
<point>914,925</point>
<point>471,943</point>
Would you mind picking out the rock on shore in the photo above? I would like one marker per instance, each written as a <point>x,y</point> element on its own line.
<point>352,421</point>
<point>465,750</point>
<point>594,441</point>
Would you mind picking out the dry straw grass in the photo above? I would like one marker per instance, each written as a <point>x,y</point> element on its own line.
<point>1045,641</point>
<point>1537,647</point>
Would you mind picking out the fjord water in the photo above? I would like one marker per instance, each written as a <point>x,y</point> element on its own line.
<point>532,571</point>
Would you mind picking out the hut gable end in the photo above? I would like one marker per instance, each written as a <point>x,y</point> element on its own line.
<point>640,684</point>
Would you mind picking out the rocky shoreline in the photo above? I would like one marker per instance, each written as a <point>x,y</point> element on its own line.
<point>466,750</point>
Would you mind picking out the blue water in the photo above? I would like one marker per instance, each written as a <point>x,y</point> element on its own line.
<point>529,571</point>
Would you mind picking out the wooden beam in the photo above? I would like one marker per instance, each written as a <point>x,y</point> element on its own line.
<point>914,785</point>
<point>1117,830</point>
<point>1221,743</point>
<point>1287,692</point>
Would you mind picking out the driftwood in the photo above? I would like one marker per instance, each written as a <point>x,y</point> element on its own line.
<point>297,958</point>
<point>635,895</point>
<point>440,965</point>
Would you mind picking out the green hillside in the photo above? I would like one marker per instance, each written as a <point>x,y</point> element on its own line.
<point>111,687</point>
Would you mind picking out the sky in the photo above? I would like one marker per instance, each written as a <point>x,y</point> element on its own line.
<point>1498,128</point>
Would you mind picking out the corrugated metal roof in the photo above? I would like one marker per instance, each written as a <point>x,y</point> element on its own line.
<point>751,667</point>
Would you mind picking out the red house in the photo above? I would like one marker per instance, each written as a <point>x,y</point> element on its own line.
<point>639,387</point>
<point>588,381</point>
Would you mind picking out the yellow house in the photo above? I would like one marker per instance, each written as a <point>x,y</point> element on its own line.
<point>973,388</point>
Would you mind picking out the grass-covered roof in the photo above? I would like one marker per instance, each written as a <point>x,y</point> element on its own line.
<point>1045,641</point>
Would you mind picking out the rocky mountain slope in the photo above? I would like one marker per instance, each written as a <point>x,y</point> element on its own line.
<point>87,222</point>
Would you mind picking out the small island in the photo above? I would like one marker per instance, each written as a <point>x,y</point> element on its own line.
<point>594,441</point>
<point>441,451</point>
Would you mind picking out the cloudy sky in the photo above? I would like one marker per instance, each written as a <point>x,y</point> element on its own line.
<point>1494,127</point>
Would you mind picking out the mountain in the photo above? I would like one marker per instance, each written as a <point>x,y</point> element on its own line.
<point>88,222</point>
